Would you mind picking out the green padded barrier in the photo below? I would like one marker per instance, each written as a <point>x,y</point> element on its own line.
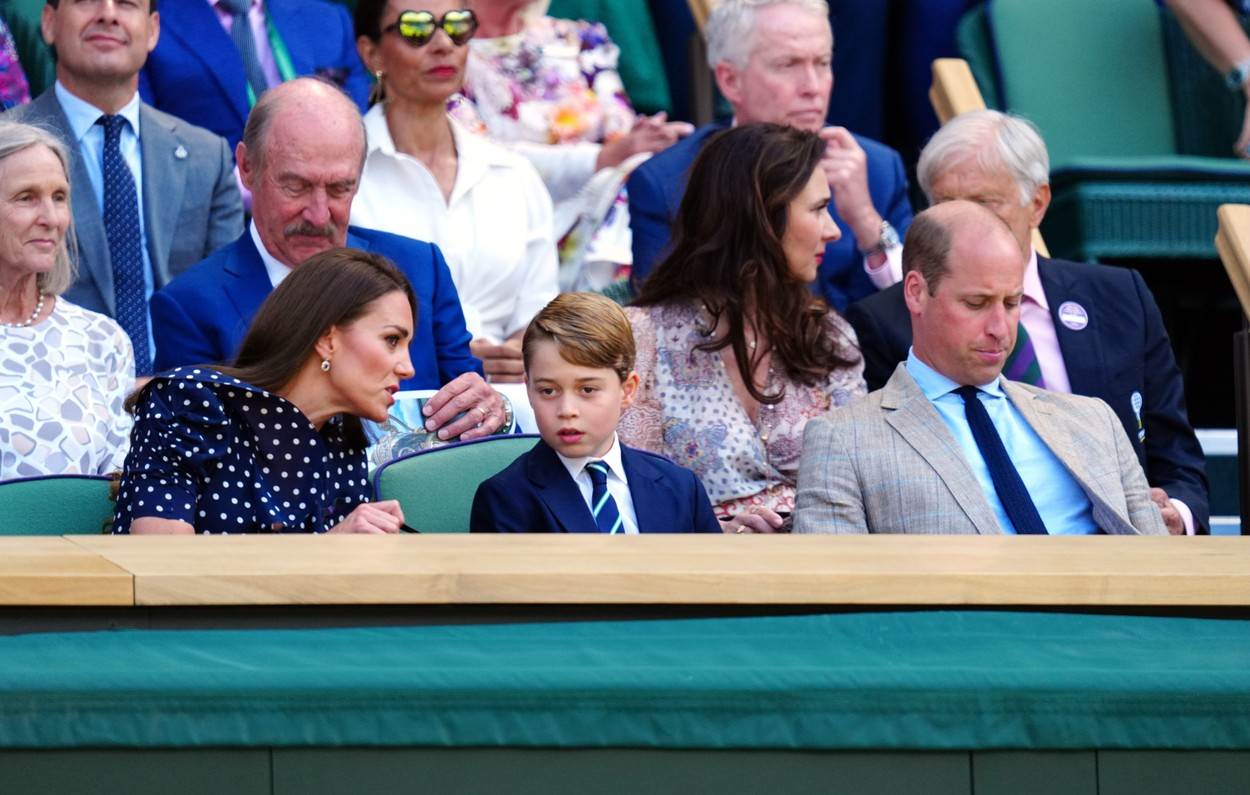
<point>435,487</point>
<point>891,681</point>
<point>1091,76</point>
<point>55,505</point>
<point>630,26</point>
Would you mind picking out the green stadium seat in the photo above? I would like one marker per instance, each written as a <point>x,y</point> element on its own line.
<point>56,505</point>
<point>435,487</point>
<point>1096,80</point>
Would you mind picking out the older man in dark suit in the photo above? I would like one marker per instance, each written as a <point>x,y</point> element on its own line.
<point>1084,329</point>
<point>152,194</point>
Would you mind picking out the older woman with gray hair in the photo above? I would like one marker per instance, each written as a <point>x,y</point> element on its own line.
<point>64,371</point>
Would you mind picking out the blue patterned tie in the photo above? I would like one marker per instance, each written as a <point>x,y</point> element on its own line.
<point>121,226</point>
<point>245,42</point>
<point>607,517</point>
<point>1007,482</point>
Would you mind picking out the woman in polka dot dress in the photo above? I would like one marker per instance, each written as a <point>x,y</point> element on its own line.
<point>274,443</point>
<point>734,351</point>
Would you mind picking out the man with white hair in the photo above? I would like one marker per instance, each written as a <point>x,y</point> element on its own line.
<point>773,62</point>
<point>1085,329</point>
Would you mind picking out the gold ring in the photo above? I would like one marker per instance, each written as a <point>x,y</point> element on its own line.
<point>741,530</point>
<point>485,413</point>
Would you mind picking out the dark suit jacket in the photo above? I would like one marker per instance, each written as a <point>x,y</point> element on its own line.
<point>191,204</point>
<point>657,186</point>
<point>203,315</point>
<point>196,72</point>
<point>1123,350</point>
<point>536,495</point>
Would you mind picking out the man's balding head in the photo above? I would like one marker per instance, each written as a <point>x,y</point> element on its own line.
<point>301,156</point>
<point>963,282</point>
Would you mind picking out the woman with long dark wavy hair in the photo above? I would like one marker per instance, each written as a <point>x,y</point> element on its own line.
<point>734,351</point>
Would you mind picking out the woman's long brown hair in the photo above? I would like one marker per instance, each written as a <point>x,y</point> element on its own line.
<point>727,254</point>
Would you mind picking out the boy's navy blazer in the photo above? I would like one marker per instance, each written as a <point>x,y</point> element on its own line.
<point>202,316</point>
<point>1122,351</point>
<point>535,494</point>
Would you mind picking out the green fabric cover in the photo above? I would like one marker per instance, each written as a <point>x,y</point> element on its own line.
<point>630,26</point>
<point>1091,76</point>
<point>55,505</point>
<point>435,488</point>
<point>908,680</point>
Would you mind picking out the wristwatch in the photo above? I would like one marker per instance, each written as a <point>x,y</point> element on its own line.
<point>889,239</point>
<point>507,426</point>
<point>1236,76</point>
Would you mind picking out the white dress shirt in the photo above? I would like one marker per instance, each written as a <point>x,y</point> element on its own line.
<point>275,269</point>
<point>618,485</point>
<point>496,230</point>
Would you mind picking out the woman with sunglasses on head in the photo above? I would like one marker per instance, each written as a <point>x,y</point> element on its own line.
<point>428,178</point>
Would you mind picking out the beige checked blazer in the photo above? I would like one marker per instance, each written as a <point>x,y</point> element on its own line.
<point>887,463</point>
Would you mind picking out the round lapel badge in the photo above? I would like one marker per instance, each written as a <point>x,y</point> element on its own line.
<point>1073,315</point>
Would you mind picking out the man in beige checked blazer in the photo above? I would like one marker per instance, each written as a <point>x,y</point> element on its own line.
<point>948,446</point>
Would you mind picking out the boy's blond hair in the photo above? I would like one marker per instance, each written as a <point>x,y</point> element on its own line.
<point>588,329</point>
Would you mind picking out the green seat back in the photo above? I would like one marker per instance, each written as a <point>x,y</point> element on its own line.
<point>55,505</point>
<point>621,292</point>
<point>435,487</point>
<point>1091,75</point>
<point>972,37</point>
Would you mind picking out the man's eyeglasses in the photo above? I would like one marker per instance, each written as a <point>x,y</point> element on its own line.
<point>417,27</point>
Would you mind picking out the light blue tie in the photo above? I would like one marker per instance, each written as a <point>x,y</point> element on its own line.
<point>121,227</point>
<point>607,516</point>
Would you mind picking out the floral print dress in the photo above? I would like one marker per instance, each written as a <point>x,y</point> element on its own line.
<point>686,409</point>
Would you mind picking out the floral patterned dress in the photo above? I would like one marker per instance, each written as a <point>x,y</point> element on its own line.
<point>686,409</point>
<point>555,82</point>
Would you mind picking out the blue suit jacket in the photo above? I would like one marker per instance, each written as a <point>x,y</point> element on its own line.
<point>657,186</point>
<point>1123,350</point>
<point>196,73</point>
<point>202,316</point>
<point>536,495</point>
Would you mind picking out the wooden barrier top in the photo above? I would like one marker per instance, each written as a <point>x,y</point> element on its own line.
<point>1095,571</point>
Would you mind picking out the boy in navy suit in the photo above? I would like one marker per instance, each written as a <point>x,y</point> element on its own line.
<point>579,372</point>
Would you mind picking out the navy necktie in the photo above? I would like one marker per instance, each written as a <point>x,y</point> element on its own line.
<point>241,32</point>
<point>607,516</point>
<point>121,227</point>
<point>1011,490</point>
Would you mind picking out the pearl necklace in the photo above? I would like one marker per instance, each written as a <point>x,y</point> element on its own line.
<point>33,315</point>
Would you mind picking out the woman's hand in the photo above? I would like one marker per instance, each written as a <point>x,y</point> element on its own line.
<point>372,517</point>
<point>649,134</point>
<point>755,520</point>
<point>469,393</point>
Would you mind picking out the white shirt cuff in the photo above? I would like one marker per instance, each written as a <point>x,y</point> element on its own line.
<point>1187,516</point>
<point>888,270</point>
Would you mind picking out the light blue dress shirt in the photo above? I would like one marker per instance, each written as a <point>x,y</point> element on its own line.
<point>89,136</point>
<point>1060,501</point>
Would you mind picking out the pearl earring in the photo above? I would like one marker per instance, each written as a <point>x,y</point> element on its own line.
<point>325,365</point>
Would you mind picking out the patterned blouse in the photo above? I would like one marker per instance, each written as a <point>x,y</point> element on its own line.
<point>14,90</point>
<point>555,82</point>
<point>227,457</point>
<point>62,385</point>
<point>686,409</point>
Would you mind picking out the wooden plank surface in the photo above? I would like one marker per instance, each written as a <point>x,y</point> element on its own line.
<point>682,569</point>
<point>47,570</point>
<point>1232,241</point>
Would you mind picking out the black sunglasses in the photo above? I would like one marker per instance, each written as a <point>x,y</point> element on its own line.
<point>417,27</point>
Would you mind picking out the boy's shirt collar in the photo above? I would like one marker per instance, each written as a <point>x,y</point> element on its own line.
<point>612,458</point>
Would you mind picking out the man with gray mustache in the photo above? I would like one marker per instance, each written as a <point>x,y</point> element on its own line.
<point>301,156</point>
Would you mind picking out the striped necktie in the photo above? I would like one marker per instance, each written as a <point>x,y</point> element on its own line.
<point>1022,364</point>
<point>607,516</point>
<point>245,42</point>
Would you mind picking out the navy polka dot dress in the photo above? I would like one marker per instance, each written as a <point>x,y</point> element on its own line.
<point>227,457</point>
